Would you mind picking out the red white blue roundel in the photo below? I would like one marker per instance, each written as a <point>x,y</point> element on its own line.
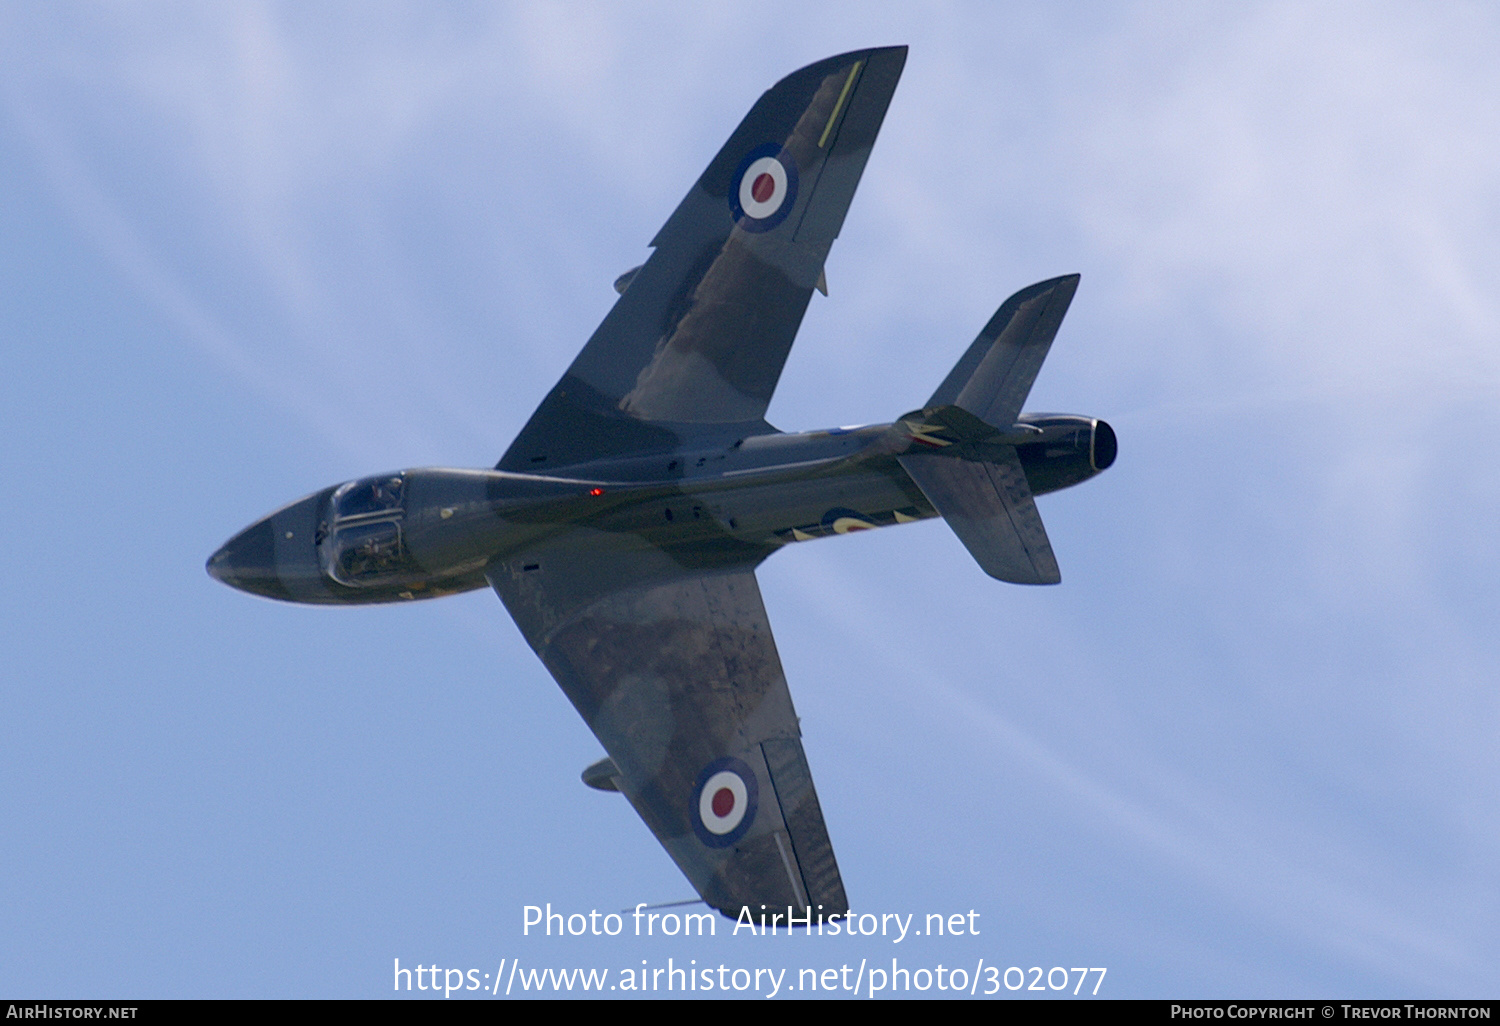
<point>724,802</point>
<point>764,189</point>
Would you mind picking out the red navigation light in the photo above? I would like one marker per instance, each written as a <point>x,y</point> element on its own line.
<point>596,491</point>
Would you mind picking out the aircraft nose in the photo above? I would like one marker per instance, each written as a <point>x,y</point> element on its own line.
<point>218,566</point>
<point>248,562</point>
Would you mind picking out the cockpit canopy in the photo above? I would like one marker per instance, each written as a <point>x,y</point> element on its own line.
<point>361,544</point>
<point>368,496</point>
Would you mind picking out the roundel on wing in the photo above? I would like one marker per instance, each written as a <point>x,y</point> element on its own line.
<point>764,188</point>
<point>724,802</point>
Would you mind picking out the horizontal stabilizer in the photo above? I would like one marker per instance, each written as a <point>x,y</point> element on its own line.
<point>995,375</point>
<point>989,506</point>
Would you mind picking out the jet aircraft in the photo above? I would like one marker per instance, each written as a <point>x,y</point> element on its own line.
<point>623,526</point>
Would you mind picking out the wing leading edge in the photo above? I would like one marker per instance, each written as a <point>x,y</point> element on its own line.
<point>675,670</point>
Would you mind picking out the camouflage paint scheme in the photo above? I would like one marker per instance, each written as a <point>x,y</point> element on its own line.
<point>623,526</point>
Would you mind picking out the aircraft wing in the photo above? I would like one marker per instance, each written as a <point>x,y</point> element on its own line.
<point>669,658</point>
<point>702,330</point>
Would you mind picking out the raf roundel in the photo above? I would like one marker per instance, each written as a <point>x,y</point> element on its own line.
<point>724,802</point>
<point>764,189</point>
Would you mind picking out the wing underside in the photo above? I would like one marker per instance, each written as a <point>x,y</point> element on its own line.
<point>696,342</point>
<point>670,660</point>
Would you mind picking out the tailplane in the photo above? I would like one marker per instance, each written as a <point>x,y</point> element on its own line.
<point>971,472</point>
<point>995,375</point>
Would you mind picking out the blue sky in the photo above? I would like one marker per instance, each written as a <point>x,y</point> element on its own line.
<point>1246,748</point>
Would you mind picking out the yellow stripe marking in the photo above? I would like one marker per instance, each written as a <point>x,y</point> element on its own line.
<point>848,82</point>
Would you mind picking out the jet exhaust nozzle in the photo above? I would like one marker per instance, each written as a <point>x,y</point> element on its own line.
<point>1105,447</point>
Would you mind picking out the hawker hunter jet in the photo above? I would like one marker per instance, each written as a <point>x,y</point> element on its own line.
<point>623,526</point>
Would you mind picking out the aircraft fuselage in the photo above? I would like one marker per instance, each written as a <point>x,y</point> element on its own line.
<point>428,532</point>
